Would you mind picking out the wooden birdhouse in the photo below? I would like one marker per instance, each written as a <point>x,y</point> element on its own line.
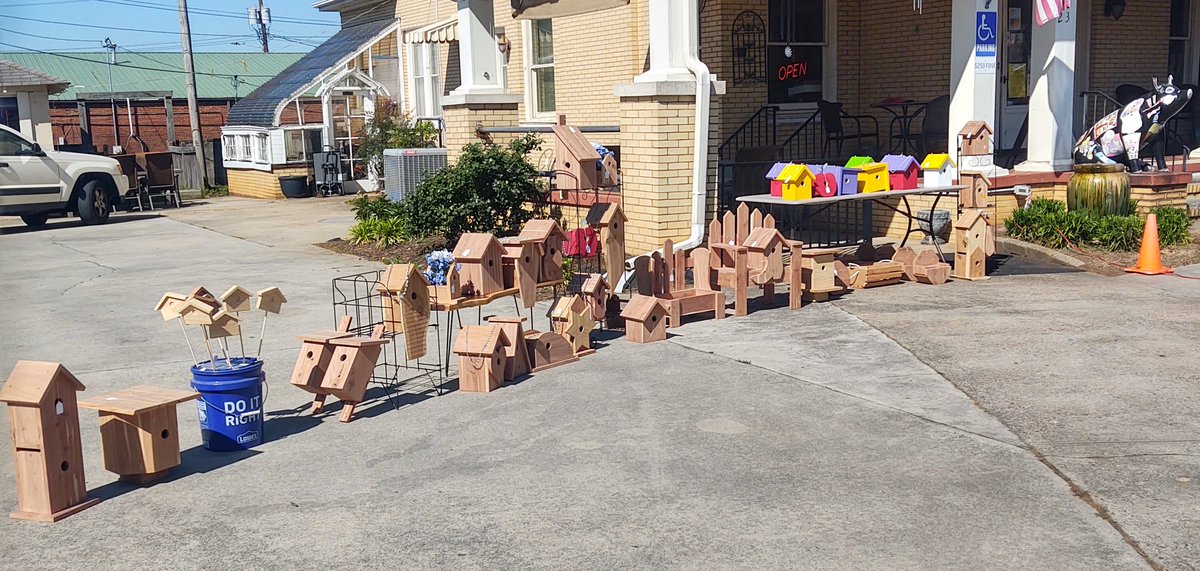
<point>406,307</point>
<point>828,180</point>
<point>902,171</point>
<point>451,289</point>
<point>873,177</point>
<point>236,299</point>
<point>595,294</point>
<point>480,259</point>
<point>645,319</point>
<point>482,358</point>
<point>224,324</point>
<point>270,300</point>
<point>549,238</point>
<point>516,352</point>
<point>139,431</point>
<point>939,170</point>
<point>975,139</point>
<point>351,368</point>
<point>797,182</point>
<point>575,158</point>
<point>764,254</point>
<point>548,350</point>
<point>169,305</point>
<point>773,179</point>
<point>610,223</point>
<point>818,274</point>
<point>521,267</point>
<point>316,353</point>
<point>572,318</point>
<point>970,255</point>
<point>849,182</point>
<point>196,312</point>
<point>205,296</point>
<point>47,451</point>
<point>974,193</point>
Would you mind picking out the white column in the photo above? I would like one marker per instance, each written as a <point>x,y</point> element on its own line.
<point>1052,100</point>
<point>478,52</point>
<point>972,71</point>
<point>670,36</point>
<point>327,121</point>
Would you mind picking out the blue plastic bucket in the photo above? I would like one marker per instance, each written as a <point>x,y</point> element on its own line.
<point>231,401</point>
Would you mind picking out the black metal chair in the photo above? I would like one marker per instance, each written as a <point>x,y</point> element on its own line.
<point>832,116</point>
<point>935,125</point>
<point>1127,92</point>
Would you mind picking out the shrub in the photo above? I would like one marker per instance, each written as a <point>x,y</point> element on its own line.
<point>1173,224</point>
<point>1119,233</point>
<point>383,231</point>
<point>372,208</point>
<point>391,128</point>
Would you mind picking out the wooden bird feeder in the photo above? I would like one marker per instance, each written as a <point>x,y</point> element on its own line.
<point>405,300</point>
<point>548,350</point>
<point>595,293</point>
<point>482,358</point>
<point>549,238</point>
<point>645,319</point>
<point>47,451</point>
<point>236,299</point>
<point>480,257</point>
<point>575,158</point>
<point>316,352</point>
<point>139,431</point>
<point>351,367</point>
<point>970,256</point>
<point>976,138</point>
<point>516,352</point>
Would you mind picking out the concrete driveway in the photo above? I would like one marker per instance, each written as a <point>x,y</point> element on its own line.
<point>807,439</point>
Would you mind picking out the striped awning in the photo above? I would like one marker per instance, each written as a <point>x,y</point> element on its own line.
<point>442,32</point>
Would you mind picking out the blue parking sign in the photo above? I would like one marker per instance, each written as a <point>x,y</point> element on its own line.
<point>985,34</point>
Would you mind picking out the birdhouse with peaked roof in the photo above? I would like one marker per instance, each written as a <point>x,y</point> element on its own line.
<point>902,171</point>
<point>224,324</point>
<point>970,250</point>
<point>773,179</point>
<point>316,354</point>
<point>975,139</point>
<point>575,158</point>
<point>849,182</point>
<point>169,305</point>
<point>47,451</point>
<point>270,300</point>
<point>797,182</point>
<point>481,357</point>
<point>939,170</point>
<point>236,299</point>
<point>595,294</point>
<point>828,180</point>
<point>405,300</point>
<point>974,193</point>
<point>195,312</point>
<point>645,319</point>
<point>764,253</point>
<point>549,237</point>
<point>873,177</point>
<point>205,296</point>
<point>857,161</point>
<point>480,258</point>
<point>516,353</point>
<point>609,220</point>
<point>351,368</point>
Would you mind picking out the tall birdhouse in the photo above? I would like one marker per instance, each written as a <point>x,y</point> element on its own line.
<point>828,180</point>
<point>974,193</point>
<point>764,254</point>
<point>797,182</point>
<point>47,452</point>
<point>609,220</point>
<point>516,353</point>
<point>970,246</point>
<point>773,179</point>
<point>521,268</point>
<point>480,257</point>
<point>873,177</point>
<point>575,158</point>
<point>549,238</point>
<point>645,319</point>
<point>595,294</point>
<point>482,358</point>
<point>849,183</point>
<point>939,170</point>
<point>975,139</point>
<point>902,171</point>
<point>405,300</point>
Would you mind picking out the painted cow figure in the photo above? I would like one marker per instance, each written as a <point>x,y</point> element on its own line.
<point>1121,135</point>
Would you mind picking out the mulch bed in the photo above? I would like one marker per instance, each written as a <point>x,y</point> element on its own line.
<point>1108,263</point>
<point>406,253</point>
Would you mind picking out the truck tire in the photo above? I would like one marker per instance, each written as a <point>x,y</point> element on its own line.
<point>92,204</point>
<point>35,220</point>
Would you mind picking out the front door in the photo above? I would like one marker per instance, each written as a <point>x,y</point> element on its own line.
<point>1014,75</point>
<point>26,177</point>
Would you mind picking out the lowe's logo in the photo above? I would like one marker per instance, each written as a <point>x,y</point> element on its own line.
<point>248,437</point>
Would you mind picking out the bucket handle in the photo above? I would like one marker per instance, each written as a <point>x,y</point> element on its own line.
<point>262,406</point>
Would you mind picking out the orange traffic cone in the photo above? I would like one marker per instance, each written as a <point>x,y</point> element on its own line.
<point>1149,259</point>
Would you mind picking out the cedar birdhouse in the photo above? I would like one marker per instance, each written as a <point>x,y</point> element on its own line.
<point>595,293</point>
<point>405,297</point>
<point>482,358</point>
<point>609,220</point>
<point>522,264</point>
<point>351,367</point>
<point>270,300</point>
<point>974,193</point>
<point>236,299</point>
<point>976,137</point>
<point>139,431</point>
<point>970,255</point>
<point>549,237</point>
<point>575,159</point>
<point>47,452</point>
<point>764,255</point>
<point>481,259</point>
<point>645,319</point>
<point>516,353</point>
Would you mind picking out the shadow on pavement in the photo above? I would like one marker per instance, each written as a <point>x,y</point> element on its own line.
<point>67,223</point>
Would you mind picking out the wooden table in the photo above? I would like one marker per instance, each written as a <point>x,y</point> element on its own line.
<point>139,431</point>
<point>866,200</point>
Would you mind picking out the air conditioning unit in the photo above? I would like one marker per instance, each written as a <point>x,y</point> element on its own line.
<point>403,169</point>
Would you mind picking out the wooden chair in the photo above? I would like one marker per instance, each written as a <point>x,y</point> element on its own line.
<point>747,249</point>
<point>663,276</point>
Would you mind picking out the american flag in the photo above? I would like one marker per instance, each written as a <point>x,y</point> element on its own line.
<point>1047,10</point>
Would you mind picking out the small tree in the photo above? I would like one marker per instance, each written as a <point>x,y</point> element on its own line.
<point>391,128</point>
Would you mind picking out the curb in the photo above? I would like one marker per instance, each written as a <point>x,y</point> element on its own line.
<point>1014,247</point>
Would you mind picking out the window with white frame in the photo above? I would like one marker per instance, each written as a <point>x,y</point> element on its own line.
<point>262,156</point>
<point>424,69</point>
<point>300,144</point>
<point>229,143</point>
<point>244,147</point>
<point>539,55</point>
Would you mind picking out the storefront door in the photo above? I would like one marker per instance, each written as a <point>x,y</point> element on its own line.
<point>1016,18</point>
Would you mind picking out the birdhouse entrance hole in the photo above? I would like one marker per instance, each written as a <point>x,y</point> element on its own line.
<point>58,408</point>
<point>166,434</point>
<point>342,357</point>
<point>65,465</point>
<point>309,355</point>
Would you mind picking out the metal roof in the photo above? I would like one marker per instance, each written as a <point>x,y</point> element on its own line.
<point>155,71</point>
<point>259,108</point>
<point>17,75</point>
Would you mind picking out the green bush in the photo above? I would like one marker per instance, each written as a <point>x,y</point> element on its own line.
<point>391,128</point>
<point>1046,222</point>
<point>489,189</point>
<point>373,208</point>
<point>383,231</point>
<point>1173,225</point>
<point>1119,233</point>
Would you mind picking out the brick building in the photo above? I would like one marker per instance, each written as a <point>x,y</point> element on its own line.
<point>633,65</point>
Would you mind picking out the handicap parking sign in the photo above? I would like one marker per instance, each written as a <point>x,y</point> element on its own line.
<point>985,34</point>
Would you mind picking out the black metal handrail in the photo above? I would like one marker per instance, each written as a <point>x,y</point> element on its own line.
<point>760,130</point>
<point>806,144</point>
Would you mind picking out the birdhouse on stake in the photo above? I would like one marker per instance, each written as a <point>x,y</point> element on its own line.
<point>169,304</point>
<point>47,452</point>
<point>270,300</point>
<point>975,139</point>
<point>645,319</point>
<point>549,238</point>
<point>480,257</point>
<point>575,158</point>
<point>481,358</point>
<point>236,299</point>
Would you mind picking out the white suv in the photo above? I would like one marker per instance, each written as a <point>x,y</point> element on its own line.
<point>35,183</point>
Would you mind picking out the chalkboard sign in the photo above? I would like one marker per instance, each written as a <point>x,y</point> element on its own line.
<point>795,78</point>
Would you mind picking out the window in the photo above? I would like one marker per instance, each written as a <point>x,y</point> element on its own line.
<point>300,144</point>
<point>14,146</point>
<point>244,147</point>
<point>426,80</point>
<point>1178,36</point>
<point>263,156</point>
<point>230,147</point>
<point>541,67</point>
<point>796,41</point>
<point>8,113</point>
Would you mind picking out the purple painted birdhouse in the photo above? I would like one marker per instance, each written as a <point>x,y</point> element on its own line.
<point>828,180</point>
<point>849,183</point>
<point>772,175</point>
<point>902,171</point>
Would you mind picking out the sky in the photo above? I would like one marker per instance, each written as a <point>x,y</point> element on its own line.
<point>153,25</point>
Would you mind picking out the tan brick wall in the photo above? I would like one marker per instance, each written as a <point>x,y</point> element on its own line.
<point>461,122</point>
<point>656,146</point>
<point>249,183</point>
<point>1132,49</point>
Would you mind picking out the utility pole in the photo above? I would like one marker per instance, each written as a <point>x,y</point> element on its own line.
<point>185,31</point>
<point>260,18</point>
<point>112,100</point>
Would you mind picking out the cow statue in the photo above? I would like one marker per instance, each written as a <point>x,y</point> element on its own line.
<point>1121,135</point>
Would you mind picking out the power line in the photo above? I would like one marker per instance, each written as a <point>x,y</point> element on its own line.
<point>47,37</point>
<point>213,13</point>
<point>91,61</point>
<point>142,30</point>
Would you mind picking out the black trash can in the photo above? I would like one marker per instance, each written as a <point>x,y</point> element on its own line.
<point>295,186</point>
